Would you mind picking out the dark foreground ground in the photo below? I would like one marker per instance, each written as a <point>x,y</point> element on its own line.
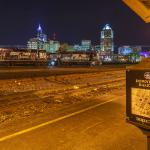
<point>81,110</point>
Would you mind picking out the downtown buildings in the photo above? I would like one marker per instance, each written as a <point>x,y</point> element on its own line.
<point>41,42</point>
<point>105,48</point>
<point>106,42</point>
<point>40,48</point>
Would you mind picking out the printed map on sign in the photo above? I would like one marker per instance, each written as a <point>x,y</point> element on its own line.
<point>140,102</point>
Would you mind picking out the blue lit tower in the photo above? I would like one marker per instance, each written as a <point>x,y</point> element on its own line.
<point>39,31</point>
<point>107,36</point>
<point>40,35</point>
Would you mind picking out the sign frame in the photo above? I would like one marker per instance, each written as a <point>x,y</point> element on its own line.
<point>136,80</point>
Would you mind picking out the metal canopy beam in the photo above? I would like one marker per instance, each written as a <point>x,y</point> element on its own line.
<point>140,7</point>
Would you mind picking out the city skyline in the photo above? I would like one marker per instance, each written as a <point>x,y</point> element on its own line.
<point>71,21</point>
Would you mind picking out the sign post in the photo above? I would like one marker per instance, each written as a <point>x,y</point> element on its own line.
<point>148,142</point>
<point>146,132</point>
<point>138,97</point>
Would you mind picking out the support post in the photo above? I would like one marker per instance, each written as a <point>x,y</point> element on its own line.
<point>148,142</point>
<point>147,133</point>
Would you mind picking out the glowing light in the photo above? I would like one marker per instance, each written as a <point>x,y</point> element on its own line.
<point>145,54</point>
<point>107,27</point>
<point>39,28</point>
<point>75,87</point>
<point>53,63</point>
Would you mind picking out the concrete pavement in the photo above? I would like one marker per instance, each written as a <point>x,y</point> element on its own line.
<point>100,128</point>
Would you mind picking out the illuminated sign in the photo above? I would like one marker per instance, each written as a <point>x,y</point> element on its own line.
<point>140,104</point>
<point>138,97</point>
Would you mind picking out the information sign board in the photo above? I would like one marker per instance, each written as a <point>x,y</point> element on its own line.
<point>138,97</point>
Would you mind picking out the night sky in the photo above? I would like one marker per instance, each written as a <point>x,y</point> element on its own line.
<point>71,20</point>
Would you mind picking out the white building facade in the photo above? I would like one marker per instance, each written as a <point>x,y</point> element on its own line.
<point>106,38</point>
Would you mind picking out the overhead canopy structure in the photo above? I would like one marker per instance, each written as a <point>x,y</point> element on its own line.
<point>141,7</point>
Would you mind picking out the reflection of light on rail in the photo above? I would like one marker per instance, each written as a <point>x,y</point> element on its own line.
<point>75,87</point>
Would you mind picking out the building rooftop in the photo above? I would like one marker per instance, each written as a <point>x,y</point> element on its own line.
<point>34,39</point>
<point>107,27</point>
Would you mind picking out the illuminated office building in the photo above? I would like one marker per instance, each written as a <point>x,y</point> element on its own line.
<point>127,50</point>
<point>51,46</point>
<point>35,43</point>
<point>86,45</point>
<point>40,35</point>
<point>107,44</point>
<point>39,41</point>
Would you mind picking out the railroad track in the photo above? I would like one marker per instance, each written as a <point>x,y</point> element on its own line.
<point>25,97</point>
<point>77,88</point>
<point>12,106</point>
<point>108,73</point>
<point>19,74</point>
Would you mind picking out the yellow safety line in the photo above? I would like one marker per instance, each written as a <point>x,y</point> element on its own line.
<point>51,121</point>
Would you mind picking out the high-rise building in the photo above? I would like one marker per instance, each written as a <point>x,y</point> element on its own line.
<point>40,35</point>
<point>106,38</point>
<point>37,42</point>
